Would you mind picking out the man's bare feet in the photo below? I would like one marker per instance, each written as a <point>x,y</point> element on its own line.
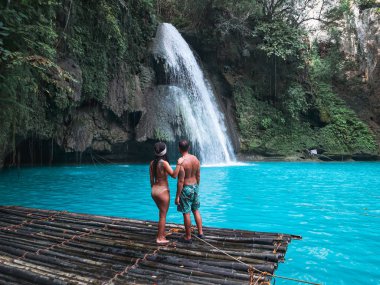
<point>184,240</point>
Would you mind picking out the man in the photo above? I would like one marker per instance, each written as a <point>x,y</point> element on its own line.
<point>187,198</point>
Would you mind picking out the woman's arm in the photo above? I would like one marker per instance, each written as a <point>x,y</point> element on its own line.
<point>178,167</point>
<point>170,171</point>
<point>151,174</point>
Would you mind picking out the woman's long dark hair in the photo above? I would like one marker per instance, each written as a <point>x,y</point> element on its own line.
<point>158,147</point>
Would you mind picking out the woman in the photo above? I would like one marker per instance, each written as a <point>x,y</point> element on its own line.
<point>159,170</point>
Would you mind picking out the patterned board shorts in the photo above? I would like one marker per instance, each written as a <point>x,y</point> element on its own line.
<point>189,199</point>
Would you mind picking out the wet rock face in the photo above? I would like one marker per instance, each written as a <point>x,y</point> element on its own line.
<point>368,30</point>
<point>108,128</point>
<point>156,122</point>
<point>119,94</point>
<point>125,91</point>
<point>71,67</point>
<point>91,128</point>
<point>369,42</point>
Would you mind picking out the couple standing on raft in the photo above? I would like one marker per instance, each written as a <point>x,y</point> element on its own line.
<point>187,197</point>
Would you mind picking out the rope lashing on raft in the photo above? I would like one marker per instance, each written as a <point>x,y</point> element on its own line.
<point>277,246</point>
<point>252,269</point>
<point>31,221</point>
<point>138,260</point>
<point>252,277</point>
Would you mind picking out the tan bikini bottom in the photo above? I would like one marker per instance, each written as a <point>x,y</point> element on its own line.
<point>157,190</point>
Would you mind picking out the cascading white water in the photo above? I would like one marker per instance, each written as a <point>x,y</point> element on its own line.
<point>194,101</point>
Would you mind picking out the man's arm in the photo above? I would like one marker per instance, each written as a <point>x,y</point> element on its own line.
<point>198,173</point>
<point>181,180</point>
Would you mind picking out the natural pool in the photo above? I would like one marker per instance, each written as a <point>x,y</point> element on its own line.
<point>334,206</point>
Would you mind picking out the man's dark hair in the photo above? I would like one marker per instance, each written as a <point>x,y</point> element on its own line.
<point>183,145</point>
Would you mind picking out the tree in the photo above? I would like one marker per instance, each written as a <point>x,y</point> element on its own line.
<point>295,12</point>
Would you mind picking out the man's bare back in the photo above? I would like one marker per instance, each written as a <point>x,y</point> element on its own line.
<point>191,169</point>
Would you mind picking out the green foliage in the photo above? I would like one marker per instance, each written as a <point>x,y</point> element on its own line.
<point>266,123</point>
<point>239,8</point>
<point>281,39</point>
<point>320,69</point>
<point>344,132</point>
<point>283,106</point>
<point>337,12</point>
<point>264,129</point>
<point>236,17</point>
<point>30,78</point>
<point>284,99</point>
<point>274,98</point>
<point>366,4</point>
<point>267,129</point>
<point>4,53</point>
<point>186,13</point>
<point>295,101</point>
<point>104,36</point>
<point>35,93</point>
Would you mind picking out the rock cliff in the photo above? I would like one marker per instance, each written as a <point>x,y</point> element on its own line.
<point>361,43</point>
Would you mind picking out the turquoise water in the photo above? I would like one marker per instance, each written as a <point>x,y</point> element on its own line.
<point>334,206</point>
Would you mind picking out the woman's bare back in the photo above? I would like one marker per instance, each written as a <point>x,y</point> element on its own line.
<point>161,177</point>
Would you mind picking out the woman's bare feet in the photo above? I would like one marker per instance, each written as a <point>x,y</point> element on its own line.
<point>162,241</point>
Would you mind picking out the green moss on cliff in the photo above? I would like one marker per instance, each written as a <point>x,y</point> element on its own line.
<point>104,35</point>
<point>291,128</point>
<point>344,133</point>
<point>35,93</point>
<point>30,86</point>
<point>266,129</point>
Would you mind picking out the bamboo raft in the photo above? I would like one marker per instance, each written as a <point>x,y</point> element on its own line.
<point>57,247</point>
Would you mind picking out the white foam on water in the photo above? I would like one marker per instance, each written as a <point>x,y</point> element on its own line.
<point>231,164</point>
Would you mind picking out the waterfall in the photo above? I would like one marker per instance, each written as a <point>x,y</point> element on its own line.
<point>193,101</point>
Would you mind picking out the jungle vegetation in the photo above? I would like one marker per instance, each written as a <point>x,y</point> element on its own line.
<point>283,85</point>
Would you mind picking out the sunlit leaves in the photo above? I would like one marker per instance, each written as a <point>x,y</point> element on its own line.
<point>281,40</point>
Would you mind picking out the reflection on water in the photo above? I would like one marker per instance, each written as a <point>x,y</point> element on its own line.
<point>334,206</point>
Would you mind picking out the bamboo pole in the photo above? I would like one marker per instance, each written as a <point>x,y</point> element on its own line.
<point>221,264</point>
<point>169,277</point>
<point>30,274</point>
<point>195,266</point>
<point>70,265</point>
